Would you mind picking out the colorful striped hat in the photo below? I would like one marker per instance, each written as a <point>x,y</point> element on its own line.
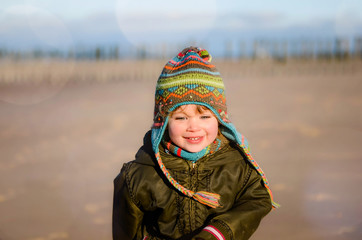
<point>190,78</point>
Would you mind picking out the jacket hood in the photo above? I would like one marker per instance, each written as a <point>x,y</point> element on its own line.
<point>145,154</point>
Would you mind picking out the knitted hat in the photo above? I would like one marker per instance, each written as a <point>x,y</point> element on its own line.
<point>190,78</point>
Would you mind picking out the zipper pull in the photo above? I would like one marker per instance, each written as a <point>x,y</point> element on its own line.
<point>192,172</point>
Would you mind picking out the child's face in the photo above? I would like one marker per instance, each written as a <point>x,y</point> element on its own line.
<point>191,129</point>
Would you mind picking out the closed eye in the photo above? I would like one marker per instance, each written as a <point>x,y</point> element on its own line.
<point>180,118</point>
<point>205,116</point>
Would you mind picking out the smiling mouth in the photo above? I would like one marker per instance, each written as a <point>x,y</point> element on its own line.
<point>194,139</point>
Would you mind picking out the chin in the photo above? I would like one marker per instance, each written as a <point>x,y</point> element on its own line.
<point>194,149</point>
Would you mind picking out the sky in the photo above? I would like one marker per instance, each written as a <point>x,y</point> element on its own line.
<point>64,23</point>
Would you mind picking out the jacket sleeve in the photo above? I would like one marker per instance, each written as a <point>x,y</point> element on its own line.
<point>127,216</point>
<point>240,222</point>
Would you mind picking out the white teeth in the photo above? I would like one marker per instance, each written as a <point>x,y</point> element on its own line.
<point>194,138</point>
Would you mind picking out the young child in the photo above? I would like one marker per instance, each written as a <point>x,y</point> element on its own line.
<point>194,177</point>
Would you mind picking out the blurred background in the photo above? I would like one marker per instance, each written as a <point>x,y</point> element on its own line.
<point>77,83</point>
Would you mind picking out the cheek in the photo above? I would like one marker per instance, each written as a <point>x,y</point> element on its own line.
<point>213,129</point>
<point>174,130</point>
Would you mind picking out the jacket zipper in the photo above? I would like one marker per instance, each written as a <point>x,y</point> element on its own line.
<point>191,215</point>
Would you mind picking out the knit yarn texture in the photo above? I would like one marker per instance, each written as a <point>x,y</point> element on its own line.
<point>215,146</point>
<point>189,78</point>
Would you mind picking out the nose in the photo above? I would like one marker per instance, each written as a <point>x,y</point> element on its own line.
<point>193,125</point>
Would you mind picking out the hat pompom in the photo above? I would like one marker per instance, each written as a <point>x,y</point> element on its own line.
<point>203,53</point>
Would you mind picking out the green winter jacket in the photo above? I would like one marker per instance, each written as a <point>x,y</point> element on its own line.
<point>147,206</point>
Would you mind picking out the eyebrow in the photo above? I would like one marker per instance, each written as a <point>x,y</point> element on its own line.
<point>180,112</point>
